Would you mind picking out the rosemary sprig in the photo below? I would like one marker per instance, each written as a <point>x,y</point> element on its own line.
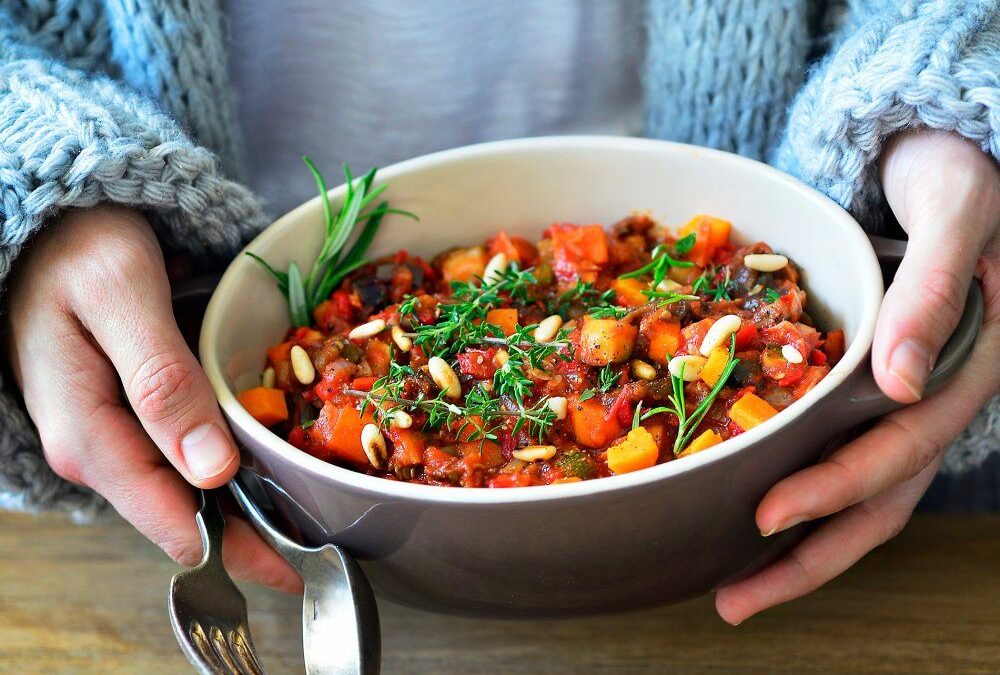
<point>687,424</point>
<point>332,264</point>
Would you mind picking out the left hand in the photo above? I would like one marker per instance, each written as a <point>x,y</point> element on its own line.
<point>945,192</point>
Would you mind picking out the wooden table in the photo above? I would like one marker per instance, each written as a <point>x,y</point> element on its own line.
<point>92,600</point>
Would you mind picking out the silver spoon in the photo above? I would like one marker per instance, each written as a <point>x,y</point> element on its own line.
<point>341,634</point>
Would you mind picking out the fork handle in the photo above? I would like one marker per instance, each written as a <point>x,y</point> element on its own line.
<point>211,524</point>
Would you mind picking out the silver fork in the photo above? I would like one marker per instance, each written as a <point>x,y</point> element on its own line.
<point>207,611</point>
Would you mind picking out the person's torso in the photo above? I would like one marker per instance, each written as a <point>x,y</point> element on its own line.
<point>376,82</point>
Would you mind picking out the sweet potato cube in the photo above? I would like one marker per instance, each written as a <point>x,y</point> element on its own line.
<point>712,370</point>
<point>664,337</point>
<point>505,319</point>
<point>750,411</point>
<point>604,341</point>
<point>705,440</point>
<point>265,404</point>
<point>591,424</point>
<point>628,292</point>
<point>637,451</point>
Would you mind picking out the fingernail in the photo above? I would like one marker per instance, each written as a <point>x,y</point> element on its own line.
<point>206,451</point>
<point>910,363</point>
<point>786,524</point>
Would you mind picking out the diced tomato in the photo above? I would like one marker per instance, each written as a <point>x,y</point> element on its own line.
<point>810,379</point>
<point>579,251</point>
<point>334,377</point>
<point>621,409</point>
<point>693,335</point>
<point>363,383</point>
<point>834,346</point>
<point>746,336</point>
<point>780,370</point>
<point>515,248</point>
<point>478,363</point>
<point>407,446</point>
<point>506,480</point>
<point>817,358</point>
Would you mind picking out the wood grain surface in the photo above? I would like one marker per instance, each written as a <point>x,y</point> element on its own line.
<point>92,599</point>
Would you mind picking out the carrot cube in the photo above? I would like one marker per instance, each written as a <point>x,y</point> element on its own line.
<point>637,451</point>
<point>505,319</point>
<point>750,411</point>
<point>705,440</point>
<point>712,370</point>
<point>266,405</point>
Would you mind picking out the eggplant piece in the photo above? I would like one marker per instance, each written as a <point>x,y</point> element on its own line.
<point>373,293</point>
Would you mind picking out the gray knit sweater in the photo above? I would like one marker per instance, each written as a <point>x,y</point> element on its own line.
<point>108,100</point>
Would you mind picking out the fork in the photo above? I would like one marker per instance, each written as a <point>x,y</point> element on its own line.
<point>207,611</point>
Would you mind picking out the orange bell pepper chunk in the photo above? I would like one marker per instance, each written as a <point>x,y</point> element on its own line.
<point>265,404</point>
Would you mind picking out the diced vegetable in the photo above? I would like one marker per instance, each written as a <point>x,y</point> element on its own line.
<point>712,370</point>
<point>710,234</point>
<point>591,423</point>
<point>478,363</point>
<point>280,352</point>
<point>576,464</point>
<point>266,405</point>
<point>811,378</point>
<point>517,249</point>
<point>705,440</point>
<point>505,319</point>
<point>664,335</point>
<point>464,264</point>
<point>637,451</point>
<point>337,433</point>
<point>628,292</point>
<point>407,446</point>
<point>604,341</point>
<point>750,411</point>
<point>579,251</point>
<point>834,346</point>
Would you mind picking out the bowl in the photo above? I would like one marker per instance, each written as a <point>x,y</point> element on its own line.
<point>648,537</point>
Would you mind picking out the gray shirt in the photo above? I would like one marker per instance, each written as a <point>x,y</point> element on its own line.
<point>371,83</point>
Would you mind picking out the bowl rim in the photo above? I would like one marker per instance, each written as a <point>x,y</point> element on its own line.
<point>855,356</point>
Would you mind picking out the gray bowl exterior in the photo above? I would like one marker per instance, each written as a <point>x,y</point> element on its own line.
<point>659,542</point>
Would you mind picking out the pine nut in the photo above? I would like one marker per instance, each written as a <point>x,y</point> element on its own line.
<point>535,453</point>
<point>691,365</point>
<point>667,285</point>
<point>548,328</point>
<point>373,443</point>
<point>720,332</point>
<point>765,262</point>
<point>559,405</point>
<point>268,378</point>
<point>404,343</point>
<point>495,269</point>
<point>302,365</point>
<point>367,330</point>
<point>643,370</point>
<point>501,357</point>
<point>444,377</point>
<point>791,354</point>
<point>402,419</point>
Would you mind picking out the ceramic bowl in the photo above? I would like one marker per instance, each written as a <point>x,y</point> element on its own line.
<point>648,537</point>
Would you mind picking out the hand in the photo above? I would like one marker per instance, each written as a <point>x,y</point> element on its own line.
<point>90,312</point>
<point>946,193</point>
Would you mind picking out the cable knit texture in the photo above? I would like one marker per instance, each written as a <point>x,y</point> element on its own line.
<point>129,101</point>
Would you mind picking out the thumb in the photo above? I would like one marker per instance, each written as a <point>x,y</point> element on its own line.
<point>942,189</point>
<point>166,386</point>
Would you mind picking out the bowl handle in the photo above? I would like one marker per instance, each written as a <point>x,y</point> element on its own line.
<point>864,400</point>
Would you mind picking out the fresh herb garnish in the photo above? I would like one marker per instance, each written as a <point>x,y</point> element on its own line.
<point>610,312</point>
<point>587,394</point>
<point>685,244</point>
<point>331,266</point>
<point>665,298</point>
<point>583,293</point>
<point>703,285</point>
<point>771,295</point>
<point>687,424</point>
<point>658,266</point>
<point>607,377</point>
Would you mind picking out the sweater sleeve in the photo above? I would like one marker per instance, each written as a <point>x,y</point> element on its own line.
<point>73,137</point>
<point>893,66</point>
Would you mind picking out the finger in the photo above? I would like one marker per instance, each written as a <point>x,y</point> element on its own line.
<point>90,439</point>
<point>897,448</point>
<point>164,383</point>
<point>945,193</point>
<point>826,553</point>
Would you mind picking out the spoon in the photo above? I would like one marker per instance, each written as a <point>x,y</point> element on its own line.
<point>341,634</point>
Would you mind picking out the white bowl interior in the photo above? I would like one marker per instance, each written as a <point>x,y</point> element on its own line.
<point>463,196</point>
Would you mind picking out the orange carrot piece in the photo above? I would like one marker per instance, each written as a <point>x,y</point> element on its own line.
<point>712,370</point>
<point>506,319</point>
<point>628,292</point>
<point>280,352</point>
<point>591,425</point>
<point>637,451</point>
<point>704,441</point>
<point>266,405</point>
<point>750,411</point>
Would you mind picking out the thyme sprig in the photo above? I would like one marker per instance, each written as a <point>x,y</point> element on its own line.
<point>687,424</point>
<point>331,266</point>
<point>660,263</point>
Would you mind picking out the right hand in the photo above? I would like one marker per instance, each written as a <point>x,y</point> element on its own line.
<point>91,316</point>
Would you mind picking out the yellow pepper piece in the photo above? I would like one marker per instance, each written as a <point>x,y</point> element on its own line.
<point>712,370</point>
<point>637,451</point>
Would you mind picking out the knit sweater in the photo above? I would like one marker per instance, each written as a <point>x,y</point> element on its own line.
<point>129,102</point>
